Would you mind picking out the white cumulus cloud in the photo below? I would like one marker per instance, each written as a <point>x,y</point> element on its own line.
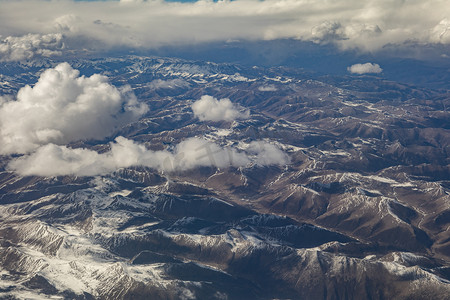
<point>54,160</point>
<point>365,68</point>
<point>18,48</point>
<point>63,107</point>
<point>208,108</point>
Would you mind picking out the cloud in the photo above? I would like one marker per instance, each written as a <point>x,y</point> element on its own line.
<point>167,84</point>
<point>208,108</point>
<point>63,107</point>
<point>67,23</point>
<point>267,154</point>
<point>54,160</point>
<point>365,68</point>
<point>198,152</point>
<point>441,32</point>
<point>360,35</point>
<point>328,31</point>
<point>268,88</point>
<point>366,25</point>
<point>18,48</point>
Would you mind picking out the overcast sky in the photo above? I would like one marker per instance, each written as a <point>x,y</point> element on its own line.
<point>46,28</point>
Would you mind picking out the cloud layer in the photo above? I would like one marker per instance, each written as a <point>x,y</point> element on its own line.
<point>208,108</point>
<point>54,160</point>
<point>367,25</point>
<point>63,107</point>
<point>365,68</point>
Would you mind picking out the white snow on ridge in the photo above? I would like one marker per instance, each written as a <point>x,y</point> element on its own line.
<point>357,178</point>
<point>382,179</point>
<point>120,193</point>
<point>336,153</point>
<point>415,271</point>
<point>405,184</point>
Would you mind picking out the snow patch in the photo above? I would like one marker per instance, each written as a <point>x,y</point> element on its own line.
<point>123,193</point>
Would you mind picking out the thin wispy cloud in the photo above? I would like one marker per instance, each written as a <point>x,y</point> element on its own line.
<point>54,160</point>
<point>167,84</point>
<point>268,88</point>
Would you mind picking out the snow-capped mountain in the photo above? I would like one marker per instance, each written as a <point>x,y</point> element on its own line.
<point>360,205</point>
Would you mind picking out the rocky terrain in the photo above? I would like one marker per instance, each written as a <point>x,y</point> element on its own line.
<point>361,210</point>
